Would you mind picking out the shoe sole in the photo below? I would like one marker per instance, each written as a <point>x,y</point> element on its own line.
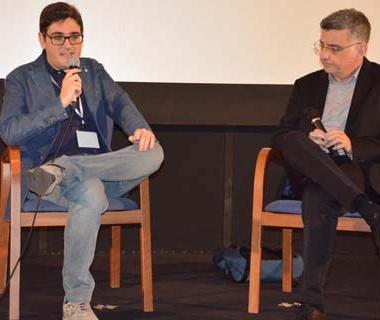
<point>39,181</point>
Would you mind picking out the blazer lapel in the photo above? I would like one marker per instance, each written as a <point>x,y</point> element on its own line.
<point>86,85</point>
<point>41,77</point>
<point>363,86</point>
<point>321,93</point>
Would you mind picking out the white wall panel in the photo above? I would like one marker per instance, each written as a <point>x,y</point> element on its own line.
<point>201,41</point>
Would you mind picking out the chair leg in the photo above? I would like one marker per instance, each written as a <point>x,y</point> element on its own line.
<point>287,260</point>
<point>146,266</point>
<point>115,253</point>
<point>15,251</point>
<point>4,225</point>
<point>255,269</point>
<point>4,252</point>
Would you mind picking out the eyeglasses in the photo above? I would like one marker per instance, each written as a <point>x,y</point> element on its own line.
<point>334,49</point>
<point>59,39</point>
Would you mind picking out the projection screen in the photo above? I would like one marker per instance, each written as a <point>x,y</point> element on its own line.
<point>189,41</point>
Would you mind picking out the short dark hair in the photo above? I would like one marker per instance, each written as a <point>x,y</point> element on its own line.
<point>59,11</point>
<point>353,20</point>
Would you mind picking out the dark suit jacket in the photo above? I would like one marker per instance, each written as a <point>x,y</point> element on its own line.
<point>363,122</point>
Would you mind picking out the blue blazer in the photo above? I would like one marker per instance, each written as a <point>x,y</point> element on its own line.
<point>32,112</point>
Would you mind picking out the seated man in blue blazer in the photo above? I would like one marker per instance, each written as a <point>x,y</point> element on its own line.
<point>330,139</point>
<point>59,109</point>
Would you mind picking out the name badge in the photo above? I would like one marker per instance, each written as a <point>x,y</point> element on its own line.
<point>87,139</point>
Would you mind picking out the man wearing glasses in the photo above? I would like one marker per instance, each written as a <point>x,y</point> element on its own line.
<point>58,109</point>
<point>335,166</point>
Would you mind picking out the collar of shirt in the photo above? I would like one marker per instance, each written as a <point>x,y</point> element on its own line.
<point>57,75</point>
<point>351,80</point>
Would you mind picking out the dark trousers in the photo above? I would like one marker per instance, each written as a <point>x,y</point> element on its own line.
<point>327,187</point>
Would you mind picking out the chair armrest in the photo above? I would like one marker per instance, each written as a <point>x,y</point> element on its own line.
<point>5,182</point>
<point>263,159</point>
<point>13,154</point>
<point>15,163</point>
<point>144,195</point>
<point>11,179</point>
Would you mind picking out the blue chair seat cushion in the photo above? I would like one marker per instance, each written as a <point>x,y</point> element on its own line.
<point>115,204</point>
<point>295,207</point>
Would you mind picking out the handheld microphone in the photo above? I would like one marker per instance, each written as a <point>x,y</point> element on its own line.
<point>73,63</point>
<point>315,119</point>
<point>317,124</point>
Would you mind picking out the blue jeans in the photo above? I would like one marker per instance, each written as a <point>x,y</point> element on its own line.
<point>88,181</point>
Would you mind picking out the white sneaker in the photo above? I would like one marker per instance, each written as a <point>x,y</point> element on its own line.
<point>78,311</point>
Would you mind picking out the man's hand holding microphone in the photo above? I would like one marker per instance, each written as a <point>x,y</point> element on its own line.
<point>334,139</point>
<point>71,84</point>
<point>329,141</point>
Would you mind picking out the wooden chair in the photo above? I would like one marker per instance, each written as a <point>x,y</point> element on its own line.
<point>285,218</point>
<point>10,232</point>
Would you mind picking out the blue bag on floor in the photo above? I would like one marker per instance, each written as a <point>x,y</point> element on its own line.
<point>271,270</point>
<point>234,261</point>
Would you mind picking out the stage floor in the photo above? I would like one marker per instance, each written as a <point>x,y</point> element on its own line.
<point>189,287</point>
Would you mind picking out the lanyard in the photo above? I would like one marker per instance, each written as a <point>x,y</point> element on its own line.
<point>78,110</point>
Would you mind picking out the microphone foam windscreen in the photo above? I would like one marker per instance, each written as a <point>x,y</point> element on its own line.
<point>73,62</point>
